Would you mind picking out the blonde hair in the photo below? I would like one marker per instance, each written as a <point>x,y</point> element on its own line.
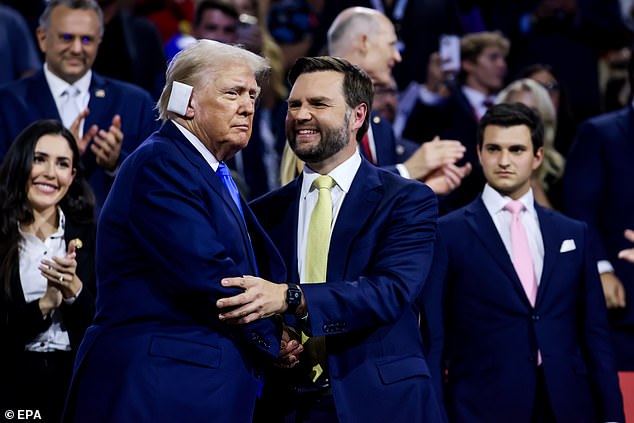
<point>472,45</point>
<point>552,167</point>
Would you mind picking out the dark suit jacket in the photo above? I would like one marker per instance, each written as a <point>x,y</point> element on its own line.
<point>452,119</point>
<point>596,191</point>
<point>168,233</point>
<point>475,307</point>
<point>379,254</point>
<point>30,99</point>
<point>20,321</point>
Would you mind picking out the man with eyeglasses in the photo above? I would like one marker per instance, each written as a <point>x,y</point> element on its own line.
<point>109,118</point>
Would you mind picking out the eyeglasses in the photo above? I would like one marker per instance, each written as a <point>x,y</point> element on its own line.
<point>70,38</point>
<point>550,86</point>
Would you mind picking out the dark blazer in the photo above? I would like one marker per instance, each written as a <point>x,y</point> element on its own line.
<point>20,321</point>
<point>596,191</point>
<point>27,100</point>
<point>474,305</point>
<point>453,119</point>
<point>168,233</point>
<point>379,255</point>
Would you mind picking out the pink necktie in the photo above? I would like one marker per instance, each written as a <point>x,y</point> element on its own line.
<point>522,257</point>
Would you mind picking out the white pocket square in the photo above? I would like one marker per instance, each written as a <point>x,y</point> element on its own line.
<point>567,245</point>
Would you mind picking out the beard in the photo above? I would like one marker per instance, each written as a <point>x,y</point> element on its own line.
<point>333,140</point>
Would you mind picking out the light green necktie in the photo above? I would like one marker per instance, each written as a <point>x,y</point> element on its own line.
<point>317,246</point>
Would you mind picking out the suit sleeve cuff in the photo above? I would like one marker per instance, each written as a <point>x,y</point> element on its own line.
<point>402,170</point>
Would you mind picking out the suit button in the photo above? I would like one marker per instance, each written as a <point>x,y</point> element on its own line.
<point>535,317</point>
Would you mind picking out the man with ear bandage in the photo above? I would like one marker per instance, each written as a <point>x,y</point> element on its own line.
<point>174,226</point>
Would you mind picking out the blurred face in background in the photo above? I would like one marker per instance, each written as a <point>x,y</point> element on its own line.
<point>381,52</point>
<point>385,101</point>
<point>487,73</point>
<point>71,42</point>
<point>218,26</point>
<point>548,81</point>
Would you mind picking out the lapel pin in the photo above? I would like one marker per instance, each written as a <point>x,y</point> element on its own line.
<point>376,119</point>
<point>100,93</point>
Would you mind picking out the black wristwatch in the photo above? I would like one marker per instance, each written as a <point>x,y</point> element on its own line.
<point>293,297</point>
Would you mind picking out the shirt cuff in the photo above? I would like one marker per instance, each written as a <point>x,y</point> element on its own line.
<point>402,170</point>
<point>605,266</point>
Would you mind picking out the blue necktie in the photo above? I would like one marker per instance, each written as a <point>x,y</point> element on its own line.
<point>225,176</point>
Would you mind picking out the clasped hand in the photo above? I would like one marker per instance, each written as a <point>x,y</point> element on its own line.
<point>260,299</point>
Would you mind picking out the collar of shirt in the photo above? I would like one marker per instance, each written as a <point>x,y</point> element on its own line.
<point>476,100</point>
<point>61,226</point>
<point>58,85</point>
<point>495,202</point>
<point>199,146</point>
<point>343,175</point>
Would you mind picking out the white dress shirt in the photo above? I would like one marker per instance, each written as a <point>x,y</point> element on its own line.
<point>32,251</point>
<point>495,202</point>
<point>199,146</point>
<point>343,176</point>
<point>58,86</point>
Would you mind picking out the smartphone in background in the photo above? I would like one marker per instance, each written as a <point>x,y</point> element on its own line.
<point>449,51</point>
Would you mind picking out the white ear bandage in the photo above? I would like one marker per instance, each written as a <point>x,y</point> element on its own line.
<point>179,98</point>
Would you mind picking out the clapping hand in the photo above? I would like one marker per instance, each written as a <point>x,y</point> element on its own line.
<point>60,272</point>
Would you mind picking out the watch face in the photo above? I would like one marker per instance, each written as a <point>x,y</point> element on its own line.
<point>293,295</point>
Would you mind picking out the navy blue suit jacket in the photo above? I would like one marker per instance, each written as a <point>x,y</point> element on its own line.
<point>475,307</point>
<point>597,190</point>
<point>380,252</point>
<point>168,233</point>
<point>27,100</point>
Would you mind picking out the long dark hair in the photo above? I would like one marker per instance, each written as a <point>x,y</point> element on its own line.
<point>78,204</point>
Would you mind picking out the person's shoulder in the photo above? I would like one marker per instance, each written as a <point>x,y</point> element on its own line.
<point>280,195</point>
<point>559,219</point>
<point>19,85</point>
<point>394,182</point>
<point>608,119</point>
<point>458,216</point>
<point>123,87</point>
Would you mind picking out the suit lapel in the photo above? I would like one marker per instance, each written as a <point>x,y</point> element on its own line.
<point>551,236</point>
<point>357,207</point>
<point>99,100</point>
<point>290,228</point>
<point>480,222</point>
<point>206,172</point>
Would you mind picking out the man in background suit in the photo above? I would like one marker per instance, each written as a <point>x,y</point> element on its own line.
<point>358,281</point>
<point>596,191</point>
<point>513,303</point>
<point>452,109</point>
<point>172,227</point>
<point>109,118</point>
<point>366,38</point>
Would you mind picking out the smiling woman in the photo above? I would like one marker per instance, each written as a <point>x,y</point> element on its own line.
<point>46,216</point>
